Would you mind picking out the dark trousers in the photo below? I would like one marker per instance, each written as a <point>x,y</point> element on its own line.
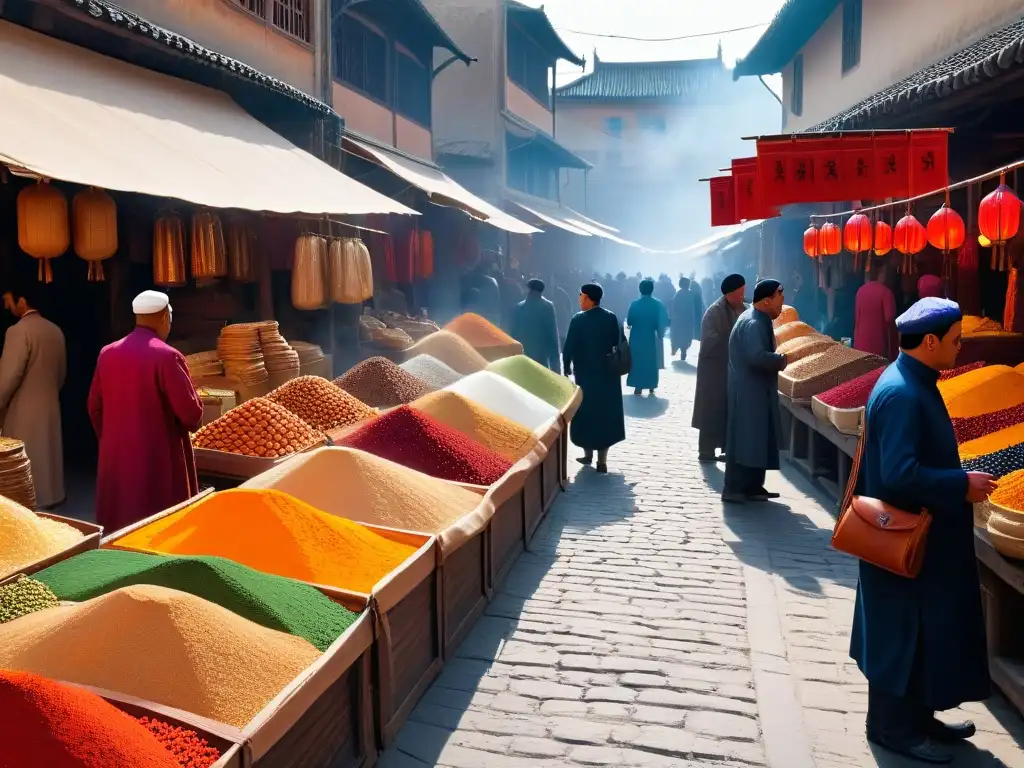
<point>708,443</point>
<point>901,719</point>
<point>743,479</point>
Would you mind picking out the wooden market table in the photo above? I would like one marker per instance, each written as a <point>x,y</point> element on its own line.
<point>1002,587</point>
<point>816,447</point>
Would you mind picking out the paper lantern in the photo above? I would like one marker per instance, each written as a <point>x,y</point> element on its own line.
<point>883,238</point>
<point>910,236</point>
<point>946,229</point>
<point>811,241</point>
<point>984,242</point>
<point>94,229</point>
<point>169,251</point>
<point>209,258</point>
<point>830,239</point>
<point>999,214</point>
<point>857,233</point>
<point>309,273</point>
<point>43,231</point>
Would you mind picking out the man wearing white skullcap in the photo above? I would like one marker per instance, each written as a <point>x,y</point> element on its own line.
<point>143,405</point>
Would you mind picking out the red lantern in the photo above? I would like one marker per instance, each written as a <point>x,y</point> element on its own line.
<point>883,238</point>
<point>830,239</point>
<point>910,235</point>
<point>999,214</point>
<point>946,229</point>
<point>811,241</point>
<point>857,233</point>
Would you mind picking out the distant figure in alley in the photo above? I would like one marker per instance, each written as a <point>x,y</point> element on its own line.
<point>647,320</point>
<point>535,326</point>
<point>683,323</point>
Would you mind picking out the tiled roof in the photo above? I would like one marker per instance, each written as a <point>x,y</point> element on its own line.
<point>646,80</point>
<point>794,24</point>
<point>537,23</point>
<point>986,59</point>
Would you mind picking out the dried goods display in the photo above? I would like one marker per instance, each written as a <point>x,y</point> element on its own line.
<point>416,327</point>
<point>986,423</point>
<point>999,464</point>
<point>64,726</point>
<point>28,538</point>
<point>138,640</point>
<point>23,595</point>
<point>993,441</point>
<point>501,435</point>
<point>320,403</point>
<point>278,355</point>
<point>485,337</point>
<point>241,259</point>
<point>169,251</point>
<point>415,440</point>
<point>542,382</point>
<point>16,481</point>
<point>270,601</point>
<point>380,383</point>
<point>804,346</point>
<point>239,349</point>
<point>988,389</point>
<point>787,315</point>
<point>275,533</point>
<point>853,393</point>
<point>309,273</point>
<point>793,330</point>
<point>450,349</point>
<point>505,398</point>
<point>309,354</point>
<point>825,370</point>
<point>431,371</point>
<point>351,272</point>
<point>960,370</point>
<point>203,365</point>
<point>973,325</point>
<point>184,744</point>
<point>260,428</point>
<point>208,255</point>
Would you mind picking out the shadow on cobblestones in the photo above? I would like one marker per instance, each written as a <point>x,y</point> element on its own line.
<point>645,407</point>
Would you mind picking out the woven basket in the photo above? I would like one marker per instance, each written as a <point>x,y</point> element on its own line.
<point>819,409</point>
<point>803,381</point>
<point>1007,546</point>
<point>849,421</point>
<point>982,511</point>
<point>804,346</point>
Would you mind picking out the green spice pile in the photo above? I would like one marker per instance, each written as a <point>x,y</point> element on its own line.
<point>535,378</point>
<point>270,601</point>
<point>23,596</point>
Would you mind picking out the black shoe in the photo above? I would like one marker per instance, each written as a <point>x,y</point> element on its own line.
<point>731,497</point>
<point>602,469</point>
<point>637,392</point>
<point>926,751</point>
<point>763,495</point>
<point>950,733</point>
<point>586,461</point>
<point>706,459</point>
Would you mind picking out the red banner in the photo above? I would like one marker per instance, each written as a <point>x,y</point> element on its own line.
<point>747,189</point>
<point>723,202</point>
<point>929,161</point>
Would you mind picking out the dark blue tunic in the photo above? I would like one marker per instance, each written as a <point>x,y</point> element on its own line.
<point>535,327</point>
<point>647,320</point>
<point>911,461</point>
<point>600,421</point>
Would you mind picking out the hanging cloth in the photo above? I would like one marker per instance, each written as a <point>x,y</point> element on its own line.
<point>425,255</point>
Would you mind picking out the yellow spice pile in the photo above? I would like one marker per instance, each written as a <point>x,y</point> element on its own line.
<point>25,537</point>
<point>984,390</point>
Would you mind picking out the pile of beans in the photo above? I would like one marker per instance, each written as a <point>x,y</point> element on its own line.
<point>23,596</point>
<point>258,428</point>
<point>184,744</point>
<point>822,371</point>
<point>320,404</point>
<point>853,393</point>
<point>382,384</point>
<point>804,346</point>
<point>978,426</point>
<point>1000,463</point>
<point>960,370</point>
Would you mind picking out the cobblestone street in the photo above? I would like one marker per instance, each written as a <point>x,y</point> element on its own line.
<point>647,627</point>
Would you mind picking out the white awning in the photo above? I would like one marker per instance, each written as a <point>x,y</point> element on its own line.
<point>553,218</point>
<point>440,187</point>
<point>69,113</point>
<point>565,218</point>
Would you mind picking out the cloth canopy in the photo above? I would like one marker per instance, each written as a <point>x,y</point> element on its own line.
<point>72,114</point>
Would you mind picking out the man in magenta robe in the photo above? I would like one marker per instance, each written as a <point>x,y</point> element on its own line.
<point>930,286</point>
<point>143,405</point>
<point>874,316</point>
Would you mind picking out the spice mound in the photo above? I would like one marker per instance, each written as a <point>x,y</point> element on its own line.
<point>452,350</point>
<point>270,601</point>
<point>787,315</point>
<point>501,435</point>
<point>854,393</point>
<point>26,538</point>
<point>415,440</point>
<point>803,346</point>
<point>184,744</point>
<point>55,725</point>
<point>1009,491</point>
<point>505,398</point>
<point>258,428</point>
<point>553,389</point>
<point>793,330</point>
<point>993,441</point>
<point>972,325</point>
<point>822,371</point>
<point>978,426</point>
<point>382,384</point>
<point>481,333</point>
<point>999,464</point>
<point>376,491</point>
<point>23,596</point>
<point>276,533</point>
<point>160,645</point>
<point>988,389</point>
<point>320,404</point>
<point>431,371</point>
<point>960,370</point>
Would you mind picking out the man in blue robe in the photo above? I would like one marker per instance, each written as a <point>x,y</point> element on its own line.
<point>535,326</point>
<point>647,320</point>
<point>921,642</point>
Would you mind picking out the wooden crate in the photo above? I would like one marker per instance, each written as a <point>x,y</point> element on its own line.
<point>1002,583</point>
<point>533,504</point>
<point>551,477</point>
<point>506,538</point>
<point>91,532</point>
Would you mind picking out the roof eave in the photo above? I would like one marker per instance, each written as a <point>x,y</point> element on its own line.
<point>441,38</point>
<point>796,22</point>
<point>558,47</point>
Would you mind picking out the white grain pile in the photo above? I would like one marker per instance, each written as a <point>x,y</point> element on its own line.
<point>505,398</point>
<point>429,369</point>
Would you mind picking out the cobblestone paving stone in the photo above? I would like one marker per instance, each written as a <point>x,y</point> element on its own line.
<point>648,627</point>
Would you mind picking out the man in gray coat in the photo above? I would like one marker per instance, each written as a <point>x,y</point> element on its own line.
<point>753,428</point>
<point>32,370</point>
<point>534,325</point>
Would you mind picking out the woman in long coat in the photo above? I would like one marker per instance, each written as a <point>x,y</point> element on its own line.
<point>600,421</point>
<point>647,320</point>
<point>682,319</point>
<point>711,401</point>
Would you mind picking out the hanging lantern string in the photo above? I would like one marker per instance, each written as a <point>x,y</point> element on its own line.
<point>940,191</point>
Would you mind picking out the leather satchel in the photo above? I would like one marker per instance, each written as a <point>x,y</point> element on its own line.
<point>879,533</point>
<point>620,359</point>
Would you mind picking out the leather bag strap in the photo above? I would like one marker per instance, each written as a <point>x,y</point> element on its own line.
<point>851,481</point>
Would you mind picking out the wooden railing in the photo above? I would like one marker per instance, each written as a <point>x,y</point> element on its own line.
<point>289,16</point>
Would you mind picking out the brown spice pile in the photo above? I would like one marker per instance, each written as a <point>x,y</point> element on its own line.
<point>258,428</point>
<point>382,384</point>
<point>320,404</point>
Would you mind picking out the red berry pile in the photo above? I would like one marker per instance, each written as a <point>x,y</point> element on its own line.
<point>973,427</point>
<point>185,745</point>
<point>952,373</point>
<point>853,393</point>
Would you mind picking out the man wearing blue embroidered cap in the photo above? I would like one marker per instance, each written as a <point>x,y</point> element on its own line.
<point>921,642</point>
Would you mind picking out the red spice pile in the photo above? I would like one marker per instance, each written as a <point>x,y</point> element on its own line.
<point>853,393</point>
<point>188,749</point>
<point>952,373</point>
<point>973,427</point>
<point>380,383</point>
<point>416,440</point>
<point>61,726</point>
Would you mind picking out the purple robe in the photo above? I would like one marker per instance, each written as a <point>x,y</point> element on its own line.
<point>142,405</point>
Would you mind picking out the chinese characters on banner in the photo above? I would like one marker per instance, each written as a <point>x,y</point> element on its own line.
<point>855,166</point>
<point>723,202</point>
<point>747,189</point>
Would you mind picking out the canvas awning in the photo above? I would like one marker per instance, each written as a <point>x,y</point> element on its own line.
<point>72,114</point>
<point>565,218</point>
<point>438,186</point>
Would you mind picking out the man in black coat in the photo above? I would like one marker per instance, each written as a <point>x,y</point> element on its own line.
<point>535,326</point>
